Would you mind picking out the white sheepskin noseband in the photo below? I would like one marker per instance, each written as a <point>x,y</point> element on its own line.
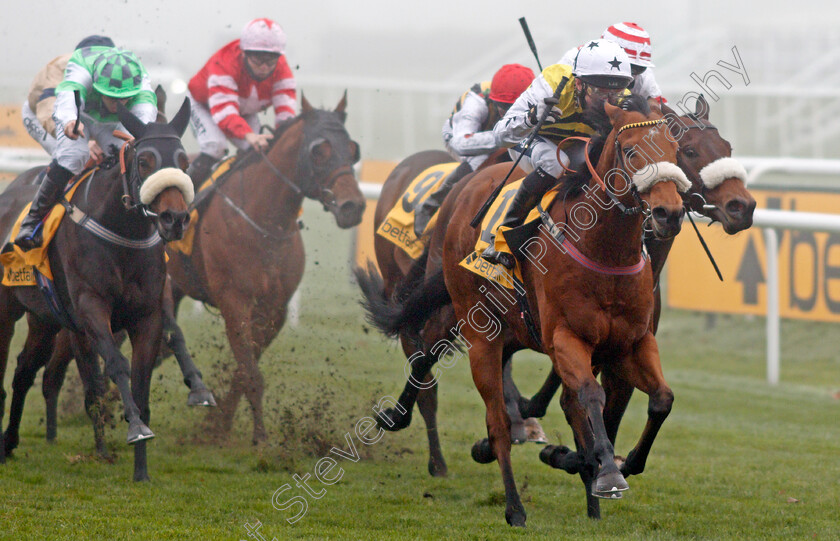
<point>163,179</point>
<point>721,169</point>
<point>644,179</point>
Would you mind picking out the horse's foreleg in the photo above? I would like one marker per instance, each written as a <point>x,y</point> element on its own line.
<point>145,336</point>
<point>486,366</point>
<point>512,397</point>
<point>644,371</point>
<point>36,351</point>
<point>573,362</point>
<point>418,366</point>
<point>96,321</point>
<point>538,404</point>
<point>54,375</point>
<point>247,377</point>
<point>10,312</point>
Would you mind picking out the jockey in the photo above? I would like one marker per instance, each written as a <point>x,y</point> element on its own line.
<point>38,108</point>
<point>636,43</point>
<point>601,73</point>
<point>104,77</point>
<point>241,79</point>
<point>468,132</point>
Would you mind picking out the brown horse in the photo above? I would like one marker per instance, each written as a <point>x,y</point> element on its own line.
<point>109,275</point>
<point>717,191</point>
<point>394,265</point>
<point>580,314</point>
<point>247,258</point>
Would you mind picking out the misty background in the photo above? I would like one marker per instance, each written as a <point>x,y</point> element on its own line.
<point>405,64</point>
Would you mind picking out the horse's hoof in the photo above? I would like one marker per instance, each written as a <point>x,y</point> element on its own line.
<point>141,477</point>
<point>482,452</point>
<point>534,431</point>
<point>437,468</point>
<point>11,444</point>
<point>398,420</point>
<point>608,484</point>
<point>518,433</point>
<point>138,431</point>
<point>201,397</point>
<point>562,458</point>
<point>515,518</point>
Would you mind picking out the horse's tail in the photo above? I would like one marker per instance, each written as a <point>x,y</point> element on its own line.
<point>414,302</point>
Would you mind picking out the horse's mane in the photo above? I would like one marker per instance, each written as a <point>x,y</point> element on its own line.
<point>572,184</point>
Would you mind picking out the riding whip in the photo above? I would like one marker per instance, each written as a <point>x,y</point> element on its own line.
<point>530,39</point>
<point>550,103</point>
<point>705,246</point>
<point>78,97</point>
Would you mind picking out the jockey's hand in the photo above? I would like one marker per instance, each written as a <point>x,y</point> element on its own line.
<point>536,111</point>
<point>259,140</point>
<point>70,126</point>
<point>96,153</point>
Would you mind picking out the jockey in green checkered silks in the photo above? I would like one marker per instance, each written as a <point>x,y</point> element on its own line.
<point>103,77</point>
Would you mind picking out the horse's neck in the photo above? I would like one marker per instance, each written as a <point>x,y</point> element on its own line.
<point>614,237</point>
<point>265,197</point>
<point>102,201</point>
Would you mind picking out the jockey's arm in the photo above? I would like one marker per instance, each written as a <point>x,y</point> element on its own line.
<point>466,139</point>
<point>516,125</point>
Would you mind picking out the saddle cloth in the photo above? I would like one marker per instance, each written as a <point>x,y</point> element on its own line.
<point>490,225</point>
<point>18,265</point>
<point>398,226</point>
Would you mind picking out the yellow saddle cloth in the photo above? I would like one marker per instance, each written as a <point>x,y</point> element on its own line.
<point>185,245</point>
<point>398,226</point>
<point>18,265</point>
<point>490,226</point>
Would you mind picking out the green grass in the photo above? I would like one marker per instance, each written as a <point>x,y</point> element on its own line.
<point>736,459</point>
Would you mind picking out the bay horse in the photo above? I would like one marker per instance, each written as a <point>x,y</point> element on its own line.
<point>248,258</point>
<point>109,274</point>
<point>717,191</point>
<point>580,315</point>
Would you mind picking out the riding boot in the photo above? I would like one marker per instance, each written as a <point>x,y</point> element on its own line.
<point>200,169</point>
<point>30,235</point>
<point>424,212</point>
<point>533,187</point>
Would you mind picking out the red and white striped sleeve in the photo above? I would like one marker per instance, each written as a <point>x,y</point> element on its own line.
<point>223,101</point>
<point>283,92</point>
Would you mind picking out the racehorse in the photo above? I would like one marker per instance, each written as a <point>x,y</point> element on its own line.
<point>109,275</point>
<point>717,191</point>
<point>247,258</point>
<point>394,264</point>
<point>581,316</point>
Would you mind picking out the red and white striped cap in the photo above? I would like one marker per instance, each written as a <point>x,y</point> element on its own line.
<point>634,40</point>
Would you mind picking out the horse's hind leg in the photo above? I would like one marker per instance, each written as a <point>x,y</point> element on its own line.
<point>199,395</point>
<point>94,384</point>
<point>427,404</point>
<point>36,351</point>
<point>486,366</point>
<point>54,374</point>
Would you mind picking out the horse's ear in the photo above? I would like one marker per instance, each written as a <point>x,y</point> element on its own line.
<point>342,105</point>
<point>160,94</point>
<point>655,106</point>
<point>182,117</point>
<point>305,106</point>
<point>133,124</point>
<point>701,109</point>
<point>613,112</point>
<point>666,110</point>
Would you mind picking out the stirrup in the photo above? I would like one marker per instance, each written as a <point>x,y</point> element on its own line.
<point>498,258</point>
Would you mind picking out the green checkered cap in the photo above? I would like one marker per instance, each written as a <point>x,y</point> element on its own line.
<point>117,74</point>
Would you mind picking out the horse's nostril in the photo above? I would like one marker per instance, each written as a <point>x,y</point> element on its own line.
<point>736,207</point>
<point>659,214</point>
<point>167,218</point>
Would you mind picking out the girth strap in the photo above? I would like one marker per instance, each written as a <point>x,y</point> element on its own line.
<point>106,234</point>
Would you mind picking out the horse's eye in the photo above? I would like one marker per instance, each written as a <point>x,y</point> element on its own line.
<point>321,152</point>
<point>146,164</point>
<point>628,152</point>
<point>355,151</point>
<point>689,152</point>
<point>181,159</point>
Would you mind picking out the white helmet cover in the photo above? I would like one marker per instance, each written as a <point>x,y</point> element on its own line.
<point>603,63</point>
<point>263,35</point>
